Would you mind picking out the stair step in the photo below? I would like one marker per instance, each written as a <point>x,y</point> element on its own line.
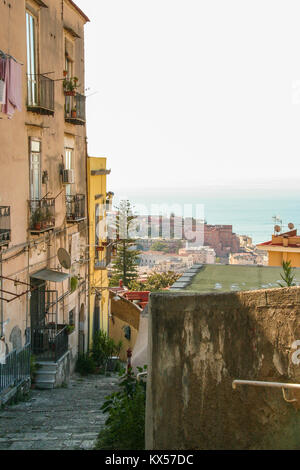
<point>49,366</point>
<point>44,383</point>
<point>45,375</point>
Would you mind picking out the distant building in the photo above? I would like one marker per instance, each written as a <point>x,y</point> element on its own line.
<point>221,239</point>
<point>283,247</point>
<point>202,255</point>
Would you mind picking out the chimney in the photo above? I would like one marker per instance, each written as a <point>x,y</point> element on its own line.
<point>121,284</point>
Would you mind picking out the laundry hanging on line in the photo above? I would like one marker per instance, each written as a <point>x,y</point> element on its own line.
<point>10,84</point>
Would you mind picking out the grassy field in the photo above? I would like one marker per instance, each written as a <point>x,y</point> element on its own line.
<point>226,278</point>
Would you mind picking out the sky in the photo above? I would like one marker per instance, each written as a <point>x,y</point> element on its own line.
<point>192,93</point>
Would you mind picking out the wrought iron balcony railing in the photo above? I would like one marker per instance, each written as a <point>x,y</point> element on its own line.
<point>5,232</point>
<point>75,109</point>
<point>75,206</point>
<point>40,94</point>
<point>42,215</point>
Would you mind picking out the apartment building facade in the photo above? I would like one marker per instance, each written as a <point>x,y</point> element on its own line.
<point>100,247</point>
<point>43,180</point>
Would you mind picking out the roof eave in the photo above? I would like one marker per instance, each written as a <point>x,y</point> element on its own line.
<point>79,11</point>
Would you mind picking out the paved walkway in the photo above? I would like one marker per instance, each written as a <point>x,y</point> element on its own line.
<point>60,419</point>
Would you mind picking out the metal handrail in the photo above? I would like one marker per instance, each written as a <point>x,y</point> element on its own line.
<point>258,383</point>
<point>140,374</point>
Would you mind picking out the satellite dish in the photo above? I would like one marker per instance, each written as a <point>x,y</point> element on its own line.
<point>291,226</point>
<point>64,258</point>
<point>277,228</point>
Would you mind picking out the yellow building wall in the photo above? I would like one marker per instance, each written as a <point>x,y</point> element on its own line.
<point>276,258</point>
<point>123,313</point>
<point>98,277</point>
<point>116,332</point>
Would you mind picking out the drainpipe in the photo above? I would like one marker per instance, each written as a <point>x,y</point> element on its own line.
<point>87,186</point>
<point>1,302</point>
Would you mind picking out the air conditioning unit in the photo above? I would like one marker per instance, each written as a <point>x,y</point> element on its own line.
<point>68,177</point>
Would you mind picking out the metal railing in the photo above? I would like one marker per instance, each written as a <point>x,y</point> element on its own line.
<point>75,206</point>
<point>5,232</point>
<point>16,368</point>
<point>49,343</point>
<point>260,383</point>
<point>42,214</point>
<point>40,94</point>
<point>75,109</point>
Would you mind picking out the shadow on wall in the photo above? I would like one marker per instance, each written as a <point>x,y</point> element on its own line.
<point>198,345</point>
<point>140,351</point>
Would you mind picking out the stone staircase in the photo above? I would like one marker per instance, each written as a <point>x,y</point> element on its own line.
<point>46,375</point>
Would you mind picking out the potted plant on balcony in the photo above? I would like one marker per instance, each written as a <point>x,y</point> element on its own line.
<point>73,112</point>
<point>37,219</point>
<point>70,86</point>
<point>70,329</point>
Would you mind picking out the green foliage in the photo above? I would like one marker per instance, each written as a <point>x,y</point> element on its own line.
<point>85,365</point>
<point>125,425</point>
<point>74,283</point>
<point>71,84</point>
<point>104,348</point>
<point>37,217</point>
<point>156,282</point>
<point>127,259</point>
<point>70,329</point>
<point>288,275</point>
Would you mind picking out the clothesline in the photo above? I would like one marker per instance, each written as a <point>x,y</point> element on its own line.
<point>4,55</point>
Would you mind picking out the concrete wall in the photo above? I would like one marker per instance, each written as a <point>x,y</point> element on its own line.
<point>198,344</point>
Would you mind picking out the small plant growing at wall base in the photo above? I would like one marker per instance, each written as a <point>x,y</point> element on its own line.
<point>288,276</point>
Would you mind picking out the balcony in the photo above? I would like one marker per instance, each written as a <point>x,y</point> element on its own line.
<point>75,206</point>
<point>40,94</point>
<point>75,109</point>
<point>4,225</point>
<point>42,215</point>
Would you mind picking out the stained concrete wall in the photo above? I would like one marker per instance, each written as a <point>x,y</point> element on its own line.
<point>198,344</point>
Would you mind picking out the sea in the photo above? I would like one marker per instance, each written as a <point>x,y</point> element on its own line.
<point>253,213</point>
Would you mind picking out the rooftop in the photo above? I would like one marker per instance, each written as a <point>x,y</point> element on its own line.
<point>227,278</point>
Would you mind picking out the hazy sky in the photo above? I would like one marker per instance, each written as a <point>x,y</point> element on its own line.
<point>185,92</point>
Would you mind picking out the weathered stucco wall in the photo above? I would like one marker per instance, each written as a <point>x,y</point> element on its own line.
<point>198,344</point>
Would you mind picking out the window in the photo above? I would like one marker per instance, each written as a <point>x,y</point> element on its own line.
<point>68,166</point>
<point>35,169</point>
<point>72,317</point>
<point>31,59</point>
